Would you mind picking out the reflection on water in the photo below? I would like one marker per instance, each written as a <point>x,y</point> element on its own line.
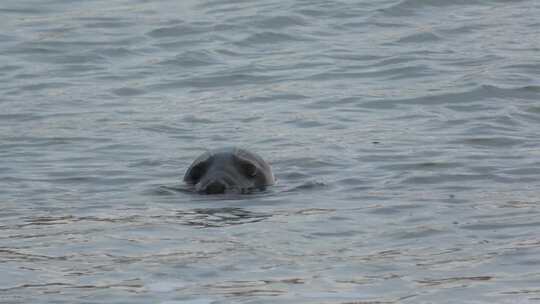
<point>219,217</point>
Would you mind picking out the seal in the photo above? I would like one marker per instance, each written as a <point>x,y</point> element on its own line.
<point>227,170</point>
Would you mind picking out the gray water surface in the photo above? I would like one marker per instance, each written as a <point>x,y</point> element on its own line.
<point>404,135</point>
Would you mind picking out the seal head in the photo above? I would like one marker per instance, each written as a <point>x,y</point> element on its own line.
<point>229,170</point>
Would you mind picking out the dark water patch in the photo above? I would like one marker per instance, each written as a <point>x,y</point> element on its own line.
<point>189,118</point>
<point>415,7</point>
<point>33,50</point>
<point>529,89</point>
<point>83,45</point>
<point>7,68</point>
<point>23,10</point>
<point>419,38</point>
<point>9,255</point>
<point>292,176</point>
<point>232,290</point>
<point>346,55</point>
<point>214,81</point>
<point>308,212</point>
<point>533,109</point>
<point>498,142</point>
<point>114,148</point>
<point>180,30</point>
<point>58,287</point>
<point>193,59</point>
<point>37,142</point>
<point>77,180</point>
<point>417,71</point>
<point>351,181</point>
<point>166,129</point>
<point>250,119</point>
<point>118,52</point>
<point>422,166</point>
<point>126,92</point>
<point>533,68</point>
<point>308,186</point>
<point>446,178</point>
<point>520,204</point>
<point>469,108</point>
<point>418,232</point>
<point>479,62</point>
<point>395,209</point>
<point>173,45</point>
<point>280,22</point>
<point>274,98</point>
<point>109,24</point>
<point>269,38</point>
<point>394,61</point>
<point>334,234</point>
<point>531,291</point>
<point>45,86</point>
<point>462,29</point>
<point>87,58</point>
<point>29,224</point>
<point>169,190</point>
<point>343,102</point>
<point>516,214</point>
<point>309,162</point>
<point>16,117</point>
<point>233,4</point>
<point>24,76</point>
<point>460,281</point>
<point>533,170</point>
<point>496,226</point>
<point>302,123</point>
<point>454,189</point>
<point>68,71</point>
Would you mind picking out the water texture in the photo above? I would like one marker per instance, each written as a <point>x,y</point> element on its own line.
<point>404,135</point>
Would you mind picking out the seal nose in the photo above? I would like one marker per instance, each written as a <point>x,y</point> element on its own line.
<point>215,187</point>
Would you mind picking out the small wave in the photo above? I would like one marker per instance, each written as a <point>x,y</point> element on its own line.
<point>458,281</point>
<point>501,225</point>
<point>280,22</point>
<point>268,38</point>
<point>310,185</point>
<point>177,31</point>
<point>501,142</point>
<point>421,37</point>
<point>219,217</point>
<point>478,93</point>
<point>193,59</point>
<point>109,24</point>
<point>411,7</point>
<point>445,178</point>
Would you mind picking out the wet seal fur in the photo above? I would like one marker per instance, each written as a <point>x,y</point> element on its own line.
<point>227,170</point>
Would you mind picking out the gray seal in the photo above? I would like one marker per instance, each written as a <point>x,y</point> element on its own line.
<point>229,170</point>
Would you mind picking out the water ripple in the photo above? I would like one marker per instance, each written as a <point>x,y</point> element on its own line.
<point>403,135</point>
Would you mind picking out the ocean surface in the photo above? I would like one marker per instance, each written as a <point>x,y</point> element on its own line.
<point>404,136</point>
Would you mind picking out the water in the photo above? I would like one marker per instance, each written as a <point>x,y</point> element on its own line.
<point>403,134</point>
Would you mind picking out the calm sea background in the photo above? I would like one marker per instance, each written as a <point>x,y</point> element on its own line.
<point>404,134</point>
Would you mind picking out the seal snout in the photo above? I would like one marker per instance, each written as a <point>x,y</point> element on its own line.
<point>217,183</point>
<point>215,187</point>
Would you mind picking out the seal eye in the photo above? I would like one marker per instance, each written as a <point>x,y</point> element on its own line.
<point>249,169</point>
<point>197,172</point>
